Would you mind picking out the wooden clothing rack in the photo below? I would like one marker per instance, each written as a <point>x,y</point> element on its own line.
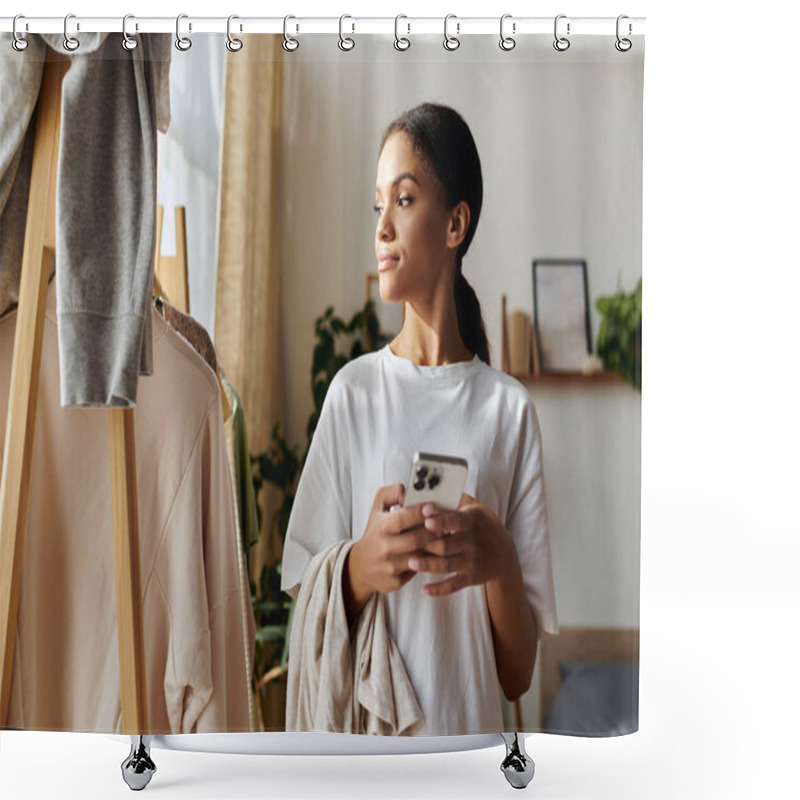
<point>39,246</point>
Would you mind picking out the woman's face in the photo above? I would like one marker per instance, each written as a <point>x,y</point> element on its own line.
<point>412,236</point>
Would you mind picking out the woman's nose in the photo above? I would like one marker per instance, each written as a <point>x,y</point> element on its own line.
<point>385,227</point>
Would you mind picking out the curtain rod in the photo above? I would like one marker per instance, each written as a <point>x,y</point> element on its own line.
<point>301,25</point>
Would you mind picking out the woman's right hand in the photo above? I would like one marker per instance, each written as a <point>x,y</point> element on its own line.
<point>378,561</point>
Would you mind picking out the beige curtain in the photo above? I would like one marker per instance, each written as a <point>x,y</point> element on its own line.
<point>247,322</point>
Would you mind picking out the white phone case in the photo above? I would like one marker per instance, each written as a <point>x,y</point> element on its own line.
<point>436,479</point>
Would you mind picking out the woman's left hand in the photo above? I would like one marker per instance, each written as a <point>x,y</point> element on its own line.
<point>473,544</point>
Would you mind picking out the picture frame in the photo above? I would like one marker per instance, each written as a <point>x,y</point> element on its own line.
<point>561,314</point>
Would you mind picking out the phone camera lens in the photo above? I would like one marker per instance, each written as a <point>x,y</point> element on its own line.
<point>422,473</point>
<point>433,481</point>
<point>419,485</point>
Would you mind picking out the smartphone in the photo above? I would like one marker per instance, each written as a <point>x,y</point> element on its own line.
<point>436,479</point>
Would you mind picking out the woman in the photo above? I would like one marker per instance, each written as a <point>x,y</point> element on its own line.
<point>467,592</point>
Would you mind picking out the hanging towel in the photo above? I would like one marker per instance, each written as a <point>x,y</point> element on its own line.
<point>343,680</point>
<point>113,101</point>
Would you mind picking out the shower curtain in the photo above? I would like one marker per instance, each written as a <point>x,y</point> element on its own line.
<point>326,299</point>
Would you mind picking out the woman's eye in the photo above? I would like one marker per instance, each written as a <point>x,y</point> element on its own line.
<point>377,209</point>
<point>404,201</point>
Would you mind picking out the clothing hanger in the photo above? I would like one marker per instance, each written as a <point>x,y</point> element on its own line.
<point>171,282</point>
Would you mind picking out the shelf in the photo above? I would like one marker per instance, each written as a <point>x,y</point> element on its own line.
<point>550,378</point>
<point>557,378</point>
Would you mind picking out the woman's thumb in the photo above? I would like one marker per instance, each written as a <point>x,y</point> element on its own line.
<point>392,495</point>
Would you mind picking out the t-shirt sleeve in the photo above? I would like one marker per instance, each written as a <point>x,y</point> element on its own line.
<point>526,521</point>
<point>321,511</point>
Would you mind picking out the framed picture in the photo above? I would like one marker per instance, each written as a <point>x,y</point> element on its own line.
<point>390,315</point>
<point>561,314</point>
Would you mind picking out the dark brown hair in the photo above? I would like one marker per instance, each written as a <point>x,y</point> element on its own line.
<point>444,143</point>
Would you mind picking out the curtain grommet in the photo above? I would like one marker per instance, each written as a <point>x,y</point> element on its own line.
<point>623,44</point>
<point>128,42</point>
<point>401,43</point>
<point>18,42</point>
<point>71,43</point>
<point>346,43</point>
<point>507,42</point>
<point>561,43</point>
<point>290,43</point>
<point>451,43</point>
<point>183,43</point>
<point>233,44</point>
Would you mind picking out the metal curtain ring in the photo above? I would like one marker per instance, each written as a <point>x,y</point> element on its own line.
<point>451,42</point>
<point>561,43</point>
<point>233,44</point>
<point>290,44</point>
<point>127,42</point>
<point>346,42</point>
<point>623,45</point>
<point>182,42</point>
<point>70,42</point>
<point>401,42</point>
<point>19,42</point>
<point>507,42</point>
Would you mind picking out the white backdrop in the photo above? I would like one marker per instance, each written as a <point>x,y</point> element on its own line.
<point>720,600</point>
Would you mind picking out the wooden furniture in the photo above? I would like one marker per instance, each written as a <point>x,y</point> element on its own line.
<point>26,362</point>
<point>172,272</point>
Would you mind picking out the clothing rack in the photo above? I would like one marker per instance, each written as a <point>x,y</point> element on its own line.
<point>39,247</point>
<point>172,272</point>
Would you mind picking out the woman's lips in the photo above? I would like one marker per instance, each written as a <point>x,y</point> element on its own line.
<point>386,262</point>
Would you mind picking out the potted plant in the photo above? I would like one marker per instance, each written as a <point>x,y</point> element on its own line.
<point>619,341</point>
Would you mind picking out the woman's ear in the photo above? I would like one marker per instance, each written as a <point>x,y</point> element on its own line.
<point>459,224</point>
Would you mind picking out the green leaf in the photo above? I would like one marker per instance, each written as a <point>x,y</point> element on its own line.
<point>271,633</point>
<point>265,606</point>
<point>357,321</point>
<point>619,337</point>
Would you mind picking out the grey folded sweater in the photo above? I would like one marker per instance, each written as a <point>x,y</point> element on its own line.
<point>113,102</point>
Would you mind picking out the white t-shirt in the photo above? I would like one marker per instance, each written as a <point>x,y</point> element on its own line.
<point>379,410</point>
